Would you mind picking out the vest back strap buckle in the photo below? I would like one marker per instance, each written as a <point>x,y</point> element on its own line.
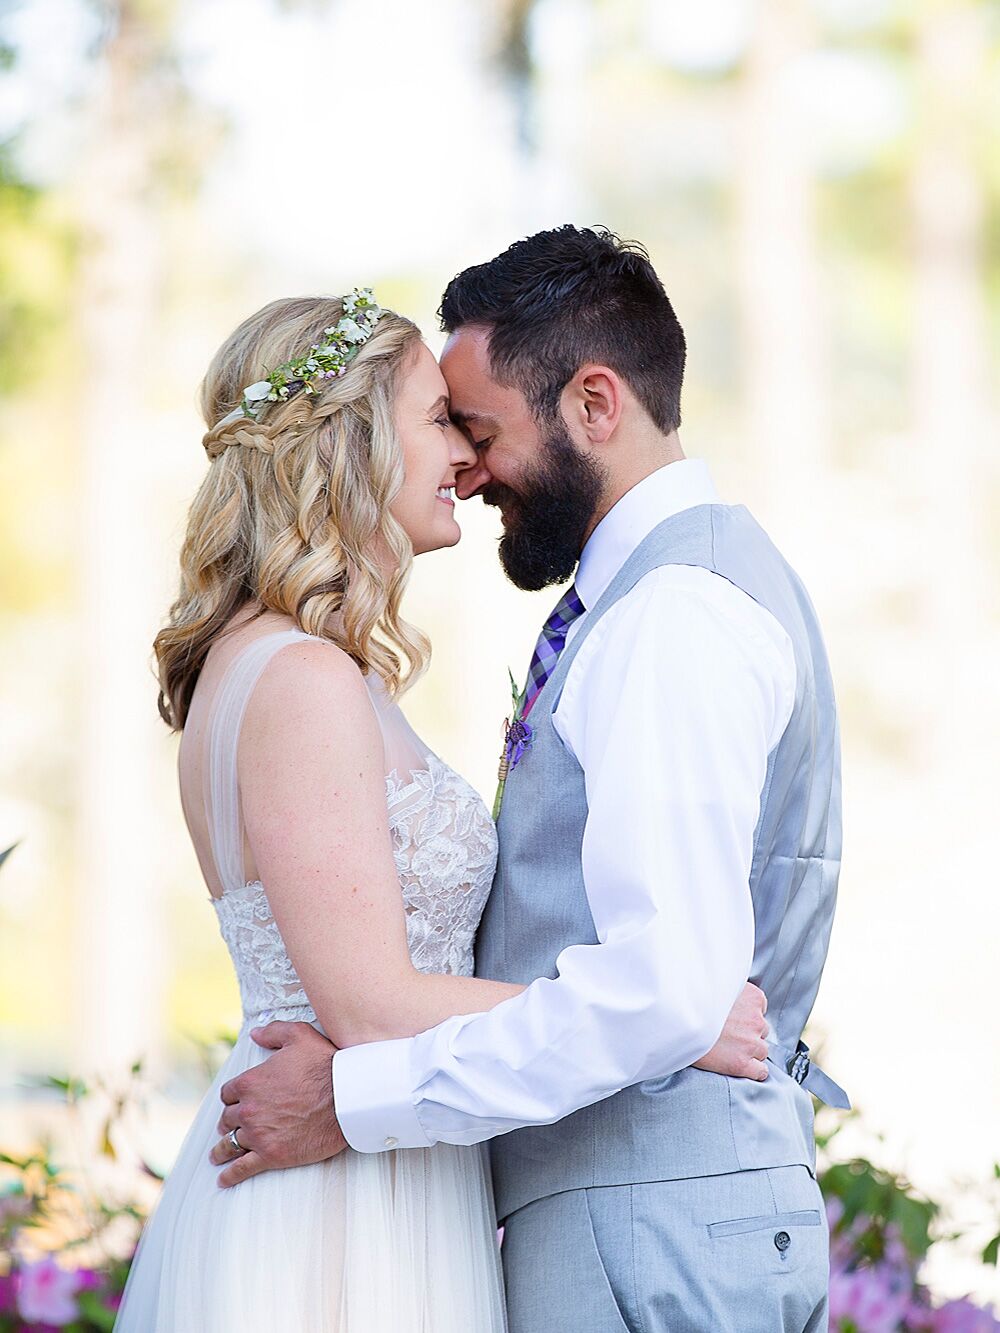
<point>798,1065</point>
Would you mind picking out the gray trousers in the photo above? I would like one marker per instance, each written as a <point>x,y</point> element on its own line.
<point>742,1253</point>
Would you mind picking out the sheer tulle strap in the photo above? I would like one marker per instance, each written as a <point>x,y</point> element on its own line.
<point>222,802</point>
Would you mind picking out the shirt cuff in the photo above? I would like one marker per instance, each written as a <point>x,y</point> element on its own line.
<point>373,1097</point>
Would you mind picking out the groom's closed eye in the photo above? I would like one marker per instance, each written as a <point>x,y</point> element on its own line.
<point>480,430</point>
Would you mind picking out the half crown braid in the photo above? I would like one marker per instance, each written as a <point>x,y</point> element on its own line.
<point>325,360</point>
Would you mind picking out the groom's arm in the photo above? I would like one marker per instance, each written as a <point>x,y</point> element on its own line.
<point>671,707</point>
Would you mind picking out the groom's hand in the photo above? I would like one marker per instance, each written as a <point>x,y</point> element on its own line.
<point>741,1051</point>
<point>282,1110</point>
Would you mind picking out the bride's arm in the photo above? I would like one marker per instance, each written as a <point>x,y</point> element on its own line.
<point>312,780</point>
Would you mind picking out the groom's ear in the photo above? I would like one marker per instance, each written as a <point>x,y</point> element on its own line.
<point>592,404</point>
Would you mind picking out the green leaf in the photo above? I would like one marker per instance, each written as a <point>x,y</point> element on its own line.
<point>914,1218</point>
<point>73,1089</point>
<point>21,1163</point>
<point>94,1309</point>
<point>990,1251</point>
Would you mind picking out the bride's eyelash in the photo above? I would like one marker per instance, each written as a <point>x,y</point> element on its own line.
<point>443,421</point>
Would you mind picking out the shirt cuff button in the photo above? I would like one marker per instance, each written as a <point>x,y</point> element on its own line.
<point>391,1141</point>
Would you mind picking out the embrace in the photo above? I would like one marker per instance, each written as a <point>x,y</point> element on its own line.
<point>555,1023</point>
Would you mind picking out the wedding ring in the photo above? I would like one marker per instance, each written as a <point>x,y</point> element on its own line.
<point>231,1136</point>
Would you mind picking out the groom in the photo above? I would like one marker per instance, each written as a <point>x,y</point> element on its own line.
<point>670,824</point>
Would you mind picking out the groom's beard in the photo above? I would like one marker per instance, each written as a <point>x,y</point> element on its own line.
<point>546,520</point>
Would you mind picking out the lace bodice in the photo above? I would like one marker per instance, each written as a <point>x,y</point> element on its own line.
<point>444,845</point>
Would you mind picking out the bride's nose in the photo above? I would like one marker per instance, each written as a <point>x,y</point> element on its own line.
<point>463,455</point>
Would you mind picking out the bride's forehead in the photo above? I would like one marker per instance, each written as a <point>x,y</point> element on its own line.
<point>423,376</point>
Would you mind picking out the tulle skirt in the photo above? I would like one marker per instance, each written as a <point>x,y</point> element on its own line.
<point>394,1242</point>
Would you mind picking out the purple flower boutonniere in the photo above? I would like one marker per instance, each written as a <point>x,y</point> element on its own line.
<point>517,738</point>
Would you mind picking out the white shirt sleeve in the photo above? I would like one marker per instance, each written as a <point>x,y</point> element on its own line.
<point>671,708</point>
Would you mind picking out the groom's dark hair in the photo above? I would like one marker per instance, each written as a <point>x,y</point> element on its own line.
<point>561,298</point>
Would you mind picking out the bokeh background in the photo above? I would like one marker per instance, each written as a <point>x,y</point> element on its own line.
<point>818,184</point>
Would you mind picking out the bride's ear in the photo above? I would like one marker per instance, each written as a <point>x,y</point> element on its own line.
<point>592,404</point>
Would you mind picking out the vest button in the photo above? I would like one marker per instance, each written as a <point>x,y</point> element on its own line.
<point>782,1240</point>
<point>391,1141</point>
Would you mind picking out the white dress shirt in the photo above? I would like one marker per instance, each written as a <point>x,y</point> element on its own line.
<point>671,707</point>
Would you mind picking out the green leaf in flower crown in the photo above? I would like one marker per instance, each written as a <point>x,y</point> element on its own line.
<point>991,1252</point>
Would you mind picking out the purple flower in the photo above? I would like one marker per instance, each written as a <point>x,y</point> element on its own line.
<point>867,1299</point>
<point>519,737</point>
<point>964,1317</point>
<point>46,1293</point>
<point>920,1316</point>
<point>8,1294</point>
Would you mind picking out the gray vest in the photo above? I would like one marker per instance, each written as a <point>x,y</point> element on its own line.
<point>691,1123</point>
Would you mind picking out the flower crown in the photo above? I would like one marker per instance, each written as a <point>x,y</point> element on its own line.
<point>325,360</point>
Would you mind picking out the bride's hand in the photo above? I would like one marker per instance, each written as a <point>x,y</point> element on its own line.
<point>282,1110</point>
<point>741,1051</point>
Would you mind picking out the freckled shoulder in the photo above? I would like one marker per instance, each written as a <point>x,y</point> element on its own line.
<point>310,683</point>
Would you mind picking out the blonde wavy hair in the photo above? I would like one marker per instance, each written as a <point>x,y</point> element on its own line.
<point>294,511</point>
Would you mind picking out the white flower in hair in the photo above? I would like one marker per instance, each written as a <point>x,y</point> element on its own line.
<point>351,330</point>
<point>343,342</point>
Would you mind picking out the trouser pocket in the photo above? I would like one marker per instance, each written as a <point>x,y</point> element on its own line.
<point>739,1226</point>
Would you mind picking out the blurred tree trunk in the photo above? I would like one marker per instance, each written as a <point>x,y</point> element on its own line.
<point>950,324</point>
<point>122,931</point>
<point>955,444</point>
<point>783,353</point>
<point>513,53</point>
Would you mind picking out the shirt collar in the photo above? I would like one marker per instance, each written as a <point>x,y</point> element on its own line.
<point>665,492</point>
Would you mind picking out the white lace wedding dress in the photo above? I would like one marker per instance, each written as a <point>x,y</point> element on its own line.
<point>394,1242</point>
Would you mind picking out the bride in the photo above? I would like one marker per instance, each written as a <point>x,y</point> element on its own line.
<point>281,665</point>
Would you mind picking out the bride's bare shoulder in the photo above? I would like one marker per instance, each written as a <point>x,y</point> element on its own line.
<point>310,682</point>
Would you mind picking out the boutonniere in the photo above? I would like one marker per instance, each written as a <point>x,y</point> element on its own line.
<point>517,736</point>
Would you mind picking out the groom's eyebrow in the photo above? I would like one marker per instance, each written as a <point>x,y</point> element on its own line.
<point>463,418</point>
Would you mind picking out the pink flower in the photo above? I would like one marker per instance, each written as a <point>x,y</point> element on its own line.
<point>46,1292</point>
<point>964,1317</point>
<point>866,1299</point>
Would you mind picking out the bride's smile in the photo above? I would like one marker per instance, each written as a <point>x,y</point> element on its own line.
<point>434,452</point>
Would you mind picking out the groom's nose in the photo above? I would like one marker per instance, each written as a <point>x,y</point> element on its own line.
<point>470,480</point>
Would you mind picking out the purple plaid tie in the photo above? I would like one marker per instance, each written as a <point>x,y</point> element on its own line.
<point>550,644</point>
